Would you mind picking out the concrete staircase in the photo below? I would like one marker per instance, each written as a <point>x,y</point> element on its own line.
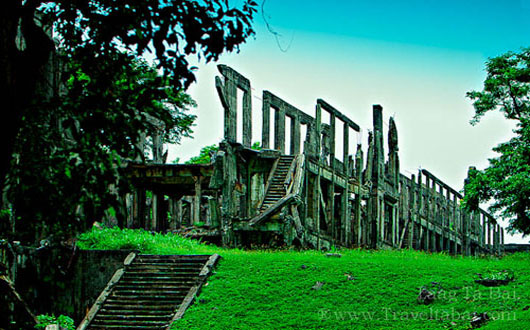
<point>150,292</point>
<point>276,189</point>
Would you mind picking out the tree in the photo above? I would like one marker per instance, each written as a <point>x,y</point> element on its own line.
<point>507,178</point>
<point>65,186</point>
<point>205,154</point>
<point>103,101</point>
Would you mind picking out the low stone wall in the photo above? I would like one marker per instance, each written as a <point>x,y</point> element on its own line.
<point>511,248</point>
<point>65,281</point>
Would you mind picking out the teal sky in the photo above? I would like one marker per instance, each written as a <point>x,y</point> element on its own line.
<point>415,58</point>
<point>489,27</point>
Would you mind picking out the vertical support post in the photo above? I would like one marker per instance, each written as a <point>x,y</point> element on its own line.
<point>489,245</point>
<point>358,174</point>
<point>197,200</point>
<point>247,117</point>
<point>127,211</point>
<point>502,240</point>
<point>483,233</point>
<point>139,208</point>
<point>345,209</point>
<point>499,229</point>
<point>346,149</point>
<point>467,219</point>
<point>318,141</point>
<point>419,212</point>
<point>394,225</point>
<point>494,232</point>
<point>279,130</point>
<point>428,214</point>
<point>154,211</point>
<point>229,195</point>
<point>177,216</point>
<point>266,119</point>
<point>331,192</point>
<point>161,213</point>
<point>230,114</point>
<point>443,217</point>
<point>448,217</point>
<point>332,141</point>
<point>455,225</point>
<point>377,193</point>
<point>412,210</point>
<point>295,135</point>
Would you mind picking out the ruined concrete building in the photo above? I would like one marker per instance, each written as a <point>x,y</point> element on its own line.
<point>302,194</point>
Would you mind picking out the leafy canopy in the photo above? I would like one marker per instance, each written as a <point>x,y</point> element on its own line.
<point>81,143</point>
<point>507,178</point>
<point>68,141</point>
<point>171,29</point>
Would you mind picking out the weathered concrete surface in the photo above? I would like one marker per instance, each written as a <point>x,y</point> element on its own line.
<point>60,281</point>
<point>306,192</point>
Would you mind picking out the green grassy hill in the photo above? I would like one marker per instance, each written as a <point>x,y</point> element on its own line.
<point>361,289</point>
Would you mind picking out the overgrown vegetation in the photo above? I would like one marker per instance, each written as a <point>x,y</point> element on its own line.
<point>65,186</point>
<point>63,321</point>
<point>81,100</point>
<point>205,155</point>
<point>361,290</point>
<point>141,240</point>
<point>506,181</point>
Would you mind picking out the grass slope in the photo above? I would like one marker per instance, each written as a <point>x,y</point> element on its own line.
<point>361,290</point>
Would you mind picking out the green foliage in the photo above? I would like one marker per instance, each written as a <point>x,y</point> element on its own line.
<point>172,30</point>
<point>141,240</point>
<point>362,289</point>
<point>205,155</point>
<point>506,88</point>
<point>507,178</point>
<point>81,144</point>
<point>62,320</point>
<point>68,143</point>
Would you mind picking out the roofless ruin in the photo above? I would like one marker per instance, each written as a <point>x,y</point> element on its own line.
<point>302,194</point>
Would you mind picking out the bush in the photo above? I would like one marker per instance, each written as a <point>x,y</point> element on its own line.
<point>62,321</point>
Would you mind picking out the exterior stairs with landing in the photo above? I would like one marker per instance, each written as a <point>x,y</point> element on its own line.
<point>149,292</point>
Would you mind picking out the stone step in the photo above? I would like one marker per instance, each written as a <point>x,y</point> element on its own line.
<point>121,327</point>
<point>152,286</point>
<point>136,317</point>
<point>176,300</point>
<point>145,283</point>
<point>164,258</point>
<point>167,265</point>
<point>136,311</point>
<point>275,194</point>
<point>162,270</point>
<point>159,274</point>
<point>129,323</point>
<point>137,308</point>
<point>149,292</point>
<point>269,200</point>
